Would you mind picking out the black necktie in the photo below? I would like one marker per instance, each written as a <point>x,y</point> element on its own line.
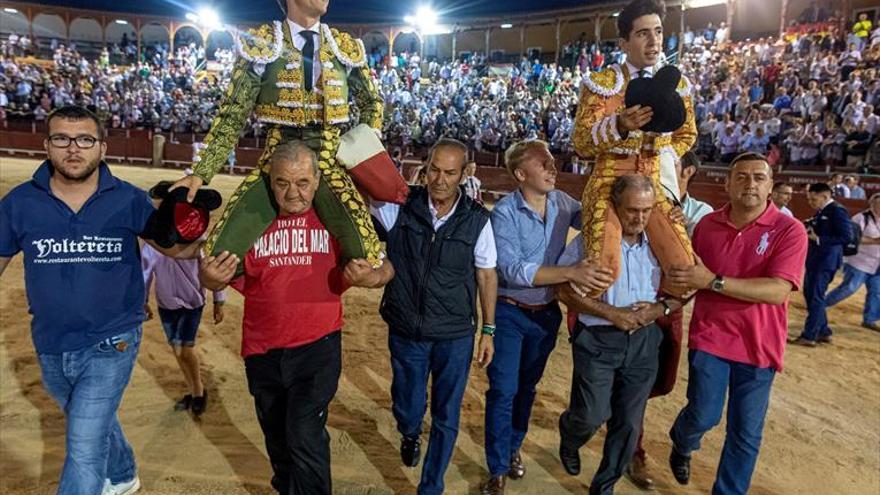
<point>644,73</point>
<point>308,56</point>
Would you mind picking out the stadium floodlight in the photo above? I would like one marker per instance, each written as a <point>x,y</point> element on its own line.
<point>615,14</point>
<point>506,26</point>
<point>192,17</point>
<point>425,22</point>
<point>121,21</point>
<point>209,18</point>
<point>426,16</point>
<point>10,10</point>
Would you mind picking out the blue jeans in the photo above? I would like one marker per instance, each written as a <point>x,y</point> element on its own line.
<point>815,286</point>
<point>523,343</point>
<point>88,385</point>
<point>749,396</point>
<point>853,278</point>
<point>448,362</point>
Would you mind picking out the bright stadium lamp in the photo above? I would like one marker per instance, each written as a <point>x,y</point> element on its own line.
<point>209,18</point>
<point>506,26</point>
<point>426,16</point>
<point>192,17</point>
<point>425,22</point>
<point>122,22</point>
<point>10,11</point>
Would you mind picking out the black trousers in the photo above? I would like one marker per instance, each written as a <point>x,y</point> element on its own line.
<point>612,379</point>
<point>292,389</point>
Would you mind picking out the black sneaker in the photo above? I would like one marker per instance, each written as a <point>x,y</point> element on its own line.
<point>410,451</point>
<point>199,404</point>
<point>184,403</point>
<point>681,467</point>
<point>571,460</point>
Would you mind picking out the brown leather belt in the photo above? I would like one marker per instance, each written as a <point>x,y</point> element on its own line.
<point>528,307</point>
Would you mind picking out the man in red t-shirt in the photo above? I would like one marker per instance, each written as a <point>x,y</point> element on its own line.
<point>291,330</point>
<point>598,60</point>
<point>750,258</point>
<point>771,78</point>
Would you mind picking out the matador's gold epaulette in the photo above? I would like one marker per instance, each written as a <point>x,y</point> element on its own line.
<point>684,87</point>
<point>606,82</point>
<point>261,45</point>
<point>349,50</point>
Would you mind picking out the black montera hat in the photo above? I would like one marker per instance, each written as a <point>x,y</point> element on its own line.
<point>660,93</point>
<point>177,221</point>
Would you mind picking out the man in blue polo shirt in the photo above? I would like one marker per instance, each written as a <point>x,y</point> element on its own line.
<point>531,226</point>
<point>78,226</point>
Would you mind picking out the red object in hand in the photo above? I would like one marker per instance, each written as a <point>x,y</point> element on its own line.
<point>190,221</point>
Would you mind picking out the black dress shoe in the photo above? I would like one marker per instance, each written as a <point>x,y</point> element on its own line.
<point>184,403</point>
<point>571,460</point>
<point>681,467</point>
<point>199,404</point>
<point>517,468</point>
<point>495,486</point>
<point>410,451</point>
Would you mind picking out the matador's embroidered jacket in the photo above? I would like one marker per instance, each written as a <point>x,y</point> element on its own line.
<point>596,136</point>
<point>268,83</point>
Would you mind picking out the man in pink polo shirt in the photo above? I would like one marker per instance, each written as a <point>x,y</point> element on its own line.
<point>750,258</point>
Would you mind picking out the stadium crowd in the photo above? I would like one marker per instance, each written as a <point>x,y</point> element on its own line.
<point>163,92</point>
<point>812,95</point>
<point>809,97</point>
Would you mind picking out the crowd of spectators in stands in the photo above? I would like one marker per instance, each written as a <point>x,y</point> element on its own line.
<point>485,106</point>
<point>809,97</point>
<point>162,92</point>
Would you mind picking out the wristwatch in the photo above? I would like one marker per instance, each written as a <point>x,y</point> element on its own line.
<point>717,283</point>
<point>666,309</point>
<point>488,329</point>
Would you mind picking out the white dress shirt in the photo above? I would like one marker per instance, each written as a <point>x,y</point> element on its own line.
<point>485,253</point>
<point>634,72</point>
<point>299,42</point>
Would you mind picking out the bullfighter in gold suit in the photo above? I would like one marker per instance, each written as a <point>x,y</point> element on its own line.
<point>613,135</point>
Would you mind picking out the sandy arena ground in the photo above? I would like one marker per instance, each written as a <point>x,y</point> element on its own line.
<point>822,435</point>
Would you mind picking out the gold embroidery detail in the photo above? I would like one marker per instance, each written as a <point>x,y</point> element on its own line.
<point>260,44</point>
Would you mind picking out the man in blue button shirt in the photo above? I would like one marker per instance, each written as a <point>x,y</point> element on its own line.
<point>531,227</point>
<point>78,226</point>
<point>615,344</point>
<point>693,210</point>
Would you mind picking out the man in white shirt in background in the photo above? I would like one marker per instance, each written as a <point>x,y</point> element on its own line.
<point>781,196</point>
